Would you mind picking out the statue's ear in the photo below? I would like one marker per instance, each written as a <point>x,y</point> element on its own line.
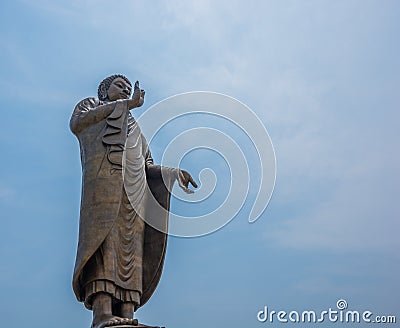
<point>103,92</point>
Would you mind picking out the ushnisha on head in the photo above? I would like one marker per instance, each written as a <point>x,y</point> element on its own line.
<point>114,87</point>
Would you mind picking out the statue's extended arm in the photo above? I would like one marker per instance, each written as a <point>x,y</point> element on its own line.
<point>159,172</point>
<point>88,112</point>
<point>154,171</point>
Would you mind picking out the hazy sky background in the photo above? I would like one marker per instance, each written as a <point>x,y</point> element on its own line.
<point>324,78</point>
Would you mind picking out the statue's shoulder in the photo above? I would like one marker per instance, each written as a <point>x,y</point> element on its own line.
<point>88,103</point>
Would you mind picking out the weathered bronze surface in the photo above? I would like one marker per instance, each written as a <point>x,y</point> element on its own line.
<point>119,257</point>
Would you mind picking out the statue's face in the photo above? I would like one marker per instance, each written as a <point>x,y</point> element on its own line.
<point>119,89</point>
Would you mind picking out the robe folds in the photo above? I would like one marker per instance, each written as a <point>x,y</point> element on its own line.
<point>102,129</point>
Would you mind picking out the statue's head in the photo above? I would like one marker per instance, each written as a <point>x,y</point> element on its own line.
<point>114,87</point>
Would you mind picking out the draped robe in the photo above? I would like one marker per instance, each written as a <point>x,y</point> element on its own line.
<point>104,129</point>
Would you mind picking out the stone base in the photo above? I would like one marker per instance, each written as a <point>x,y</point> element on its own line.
<point>140,325</point>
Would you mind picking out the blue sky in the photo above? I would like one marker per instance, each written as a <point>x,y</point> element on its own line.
<point>323,76</point>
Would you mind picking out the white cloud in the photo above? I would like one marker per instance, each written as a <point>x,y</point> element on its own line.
<point>346,183</point>
<point>288,62</point>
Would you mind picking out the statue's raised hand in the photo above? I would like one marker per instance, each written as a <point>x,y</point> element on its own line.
<point>138,95</point>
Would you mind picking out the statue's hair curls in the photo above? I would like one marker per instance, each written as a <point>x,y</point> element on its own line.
<point>105,84</point>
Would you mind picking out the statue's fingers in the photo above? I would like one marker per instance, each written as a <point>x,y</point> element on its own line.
<point>136,84</point>
<point>188,191</point>
<point>186,182</point>
<point>194,184</point>
<point>184,185</point>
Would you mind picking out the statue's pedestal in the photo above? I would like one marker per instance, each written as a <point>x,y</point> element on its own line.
<point>133,326</point>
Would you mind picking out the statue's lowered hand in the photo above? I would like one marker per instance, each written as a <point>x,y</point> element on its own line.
<point>184,178</point>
